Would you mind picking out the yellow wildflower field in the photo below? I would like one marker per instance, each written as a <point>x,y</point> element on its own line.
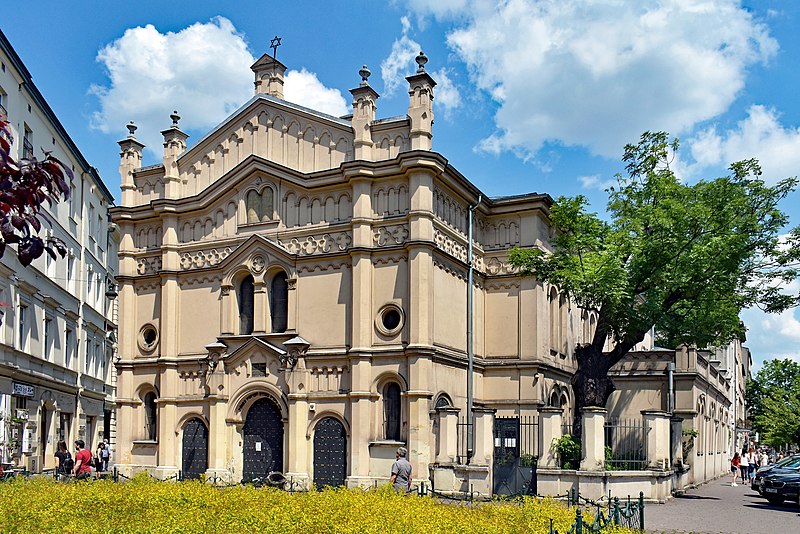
<point>144,505</point>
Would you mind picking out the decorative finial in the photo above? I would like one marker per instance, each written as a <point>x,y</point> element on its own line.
<point>364,73</point>
<point>131,129</point>
<point>421,59</point>
<point>274,44</point>
<point>175,118</point>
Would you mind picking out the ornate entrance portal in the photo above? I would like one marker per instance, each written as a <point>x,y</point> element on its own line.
<point>330,453</point>
<point>195,449</point>
<point>263,441</point>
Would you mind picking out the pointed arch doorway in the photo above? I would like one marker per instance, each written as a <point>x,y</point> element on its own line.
<point>262,449</point>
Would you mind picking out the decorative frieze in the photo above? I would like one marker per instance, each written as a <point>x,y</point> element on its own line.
<point>494,266</point>
<point>314,245</point>
<point>204,258</point>
<point>390,235</point>
<point>148,265</point>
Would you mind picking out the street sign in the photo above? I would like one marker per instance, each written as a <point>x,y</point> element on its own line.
<point>22,390</point>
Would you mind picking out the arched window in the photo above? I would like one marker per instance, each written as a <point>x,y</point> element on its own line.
<point>259,206</point>
<point>563,325</point>
<point>246,305</point>
<point>554,320</point>
<point>253,207</point>
<point>151,416</point>
<point>279,302</point>
<point>391,410</point>
<point>443,401</point>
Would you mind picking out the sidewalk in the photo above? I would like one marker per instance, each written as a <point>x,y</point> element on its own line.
<point>716,507</point>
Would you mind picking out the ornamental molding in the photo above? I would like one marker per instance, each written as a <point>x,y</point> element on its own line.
<point>324,266</point>
<point>199,259</point>
<point>148,265</point>
<point>387,236</point>
<point>314,245</point>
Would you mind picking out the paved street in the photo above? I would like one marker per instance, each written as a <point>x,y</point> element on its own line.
<point>717,507</point>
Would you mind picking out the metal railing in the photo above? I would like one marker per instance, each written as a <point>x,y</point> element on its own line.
<point>626,444</point>
<point>462,442</point>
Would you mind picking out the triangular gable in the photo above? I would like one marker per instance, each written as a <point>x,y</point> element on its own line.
<point>259,244</point>
<point>251,346</point>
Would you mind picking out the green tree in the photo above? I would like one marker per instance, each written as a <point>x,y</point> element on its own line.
<point>683,258</point>
<point>773,400</point>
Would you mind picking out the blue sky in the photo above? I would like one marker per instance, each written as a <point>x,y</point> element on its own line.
<point>532,96</point>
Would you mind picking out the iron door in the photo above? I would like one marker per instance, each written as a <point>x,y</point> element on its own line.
<point>263,441</point>
<point>330,453</point>
<point>506,455</point>
<point>195,449</point>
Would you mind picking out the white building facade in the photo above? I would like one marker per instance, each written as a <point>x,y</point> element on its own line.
<point>57,337</point>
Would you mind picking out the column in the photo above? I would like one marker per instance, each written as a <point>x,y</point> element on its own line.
<point>593,439</point>
<point>657,425</point>
<point>419,415</point>
<point>484,436</point>
<point>217,438</point>
<point>550,430</point>
<point>676,441</point>
<point>447,440</point>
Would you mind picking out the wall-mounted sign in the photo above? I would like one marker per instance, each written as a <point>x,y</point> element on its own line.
<point>22,390</point>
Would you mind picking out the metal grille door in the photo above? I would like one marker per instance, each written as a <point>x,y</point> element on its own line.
<point>330,453</point>
<point>506,455</point>
<point>195,449</point>
<point>263,440</point>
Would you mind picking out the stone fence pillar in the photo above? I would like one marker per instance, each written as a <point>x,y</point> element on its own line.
<point>656,424</point>
<point>447,439</point>
<point>593,438</point>
<point>676,441</point>
<point>484,436</point>
<point>549,430</point>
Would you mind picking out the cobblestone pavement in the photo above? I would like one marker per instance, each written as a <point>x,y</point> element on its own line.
<point>716,507</point>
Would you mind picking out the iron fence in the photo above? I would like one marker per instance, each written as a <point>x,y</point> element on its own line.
<point>626,444</point>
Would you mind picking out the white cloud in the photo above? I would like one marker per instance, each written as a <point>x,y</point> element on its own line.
<point>303,87</point>
<point>598,74</point>
<point>400,61</point>
<point>447,93</point>
<point>203,71</point>
<point>761,136</point>
<point>594,182</point>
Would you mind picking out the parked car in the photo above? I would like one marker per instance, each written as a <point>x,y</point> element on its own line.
<point>788,462</point>
<point>779,487</point>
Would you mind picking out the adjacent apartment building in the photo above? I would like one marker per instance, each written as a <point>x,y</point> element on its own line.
<point>57,337</point>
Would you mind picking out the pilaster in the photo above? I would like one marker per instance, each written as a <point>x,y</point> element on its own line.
<point>593,439</point>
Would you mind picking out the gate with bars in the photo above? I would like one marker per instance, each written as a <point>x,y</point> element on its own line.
<point>516,454</point>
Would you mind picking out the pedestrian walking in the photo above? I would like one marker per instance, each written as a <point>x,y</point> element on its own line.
<point>735,463</point>
<point>106,456</point>
<point>752,463</point>
<point>764,459</point>
<point>744,466</point>
<point>401,471</point>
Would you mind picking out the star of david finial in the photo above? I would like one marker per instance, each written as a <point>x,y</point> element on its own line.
<point>274,44</point>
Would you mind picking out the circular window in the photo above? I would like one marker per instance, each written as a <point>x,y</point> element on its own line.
<point>148,338</point>
<point>390,320</point>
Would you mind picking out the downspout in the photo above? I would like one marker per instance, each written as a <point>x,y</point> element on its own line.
<point>470,351</point>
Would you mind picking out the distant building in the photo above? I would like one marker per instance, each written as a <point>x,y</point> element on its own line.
<point>58,330</point>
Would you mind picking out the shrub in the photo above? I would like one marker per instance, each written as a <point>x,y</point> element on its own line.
<point>144,505</point>
<point>568,449</point>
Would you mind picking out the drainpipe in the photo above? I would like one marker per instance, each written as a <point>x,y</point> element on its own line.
<point>470,354</point>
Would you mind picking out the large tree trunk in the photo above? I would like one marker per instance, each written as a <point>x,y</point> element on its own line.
<point>591,384</point>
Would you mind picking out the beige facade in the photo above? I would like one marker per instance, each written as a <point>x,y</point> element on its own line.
<point>57,332</point>
<point>294,298</point>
